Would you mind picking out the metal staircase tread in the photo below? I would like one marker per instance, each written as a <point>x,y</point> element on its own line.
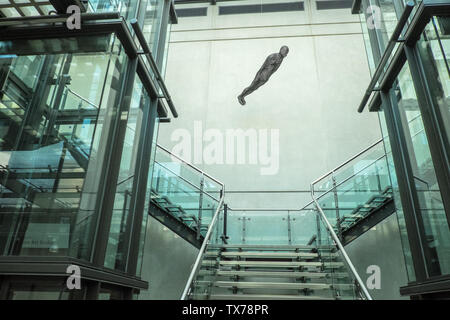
<point>270,285</point>
<point>280,264</point>
<point>264,254</point>
<point>262,297</point>
<point>265,247</point>
<point>278,274</point>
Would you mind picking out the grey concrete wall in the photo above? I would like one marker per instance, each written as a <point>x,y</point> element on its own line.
<point>381,246</point>
<point>311,100</point>
<point>167,262</point>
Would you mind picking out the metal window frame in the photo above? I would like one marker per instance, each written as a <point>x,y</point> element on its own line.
<point>408,51</point>
<point>142,167</point>
<point>51,27</point>
<point>57,266</point>
<point>48,27</point>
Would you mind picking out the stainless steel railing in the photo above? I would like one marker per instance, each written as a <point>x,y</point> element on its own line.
<point>347,161</point>
<point>201,253</point>
<point>327,222</point>
<point>341,247</point>
<point>189,164</point>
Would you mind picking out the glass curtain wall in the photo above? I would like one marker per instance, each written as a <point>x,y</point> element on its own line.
<point>377,34</point>
<point>434,48</point>
<point>127,8</point>
<point>116,254</point>
<point>54,110</point>
<point>433,216</point>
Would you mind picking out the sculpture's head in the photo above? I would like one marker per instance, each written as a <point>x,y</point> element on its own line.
<point>284,51</point>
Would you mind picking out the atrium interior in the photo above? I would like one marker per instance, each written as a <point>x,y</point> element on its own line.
<point>128,157</point>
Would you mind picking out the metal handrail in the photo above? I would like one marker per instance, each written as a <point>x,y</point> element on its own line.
<point>189,164</point>
<point>347,161</point>
<point>341,247</point>
<point>353,158</point>
<point>124,180</point>
<point>82,98</point>
<point>13,21</point>
<point>188,182</point>
<point>387,53</point>
<point>148,53</point>
<point>196,265</point>
<point>351,176</point>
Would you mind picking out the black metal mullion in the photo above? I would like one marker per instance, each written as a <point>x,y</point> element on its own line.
<point>406,184</point>
<point>140,185</point>
<point>108,188</point>
<point>144,156</point>
<point>433,123</point>
<point>163,34</point>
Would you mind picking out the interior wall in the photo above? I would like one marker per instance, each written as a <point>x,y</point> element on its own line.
<point>381,246</point>
<point>167,262</point>
<point>310,102</point>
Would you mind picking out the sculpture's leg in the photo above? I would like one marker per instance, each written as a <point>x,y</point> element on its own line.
<point>255,85</point>
<point>244,93</point>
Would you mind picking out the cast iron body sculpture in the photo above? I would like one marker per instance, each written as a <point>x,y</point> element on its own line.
<point>269,67</point>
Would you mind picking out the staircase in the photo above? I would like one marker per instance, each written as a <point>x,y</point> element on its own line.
<point>293,254</point>
<point>264,272</point>
<point>365,210</point>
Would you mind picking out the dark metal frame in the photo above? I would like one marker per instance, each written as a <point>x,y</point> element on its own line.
<point>368,222</point>
<point>29,28</point>
<point>384,98</point>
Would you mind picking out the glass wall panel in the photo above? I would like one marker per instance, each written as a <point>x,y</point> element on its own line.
<point>396,195</point>
<point>435,224</point>
<point>53,111</point>
<point>152,23</point>
<point>388,20</point>
<point>434,48</point>
<point>147,197</point>
<point>120,223</point>
<point>127,8</point>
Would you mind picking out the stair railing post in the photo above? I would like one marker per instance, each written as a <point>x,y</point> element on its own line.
<point>225,222</point>
<point>319,236</point>
<point>336,205</point>
<point>200,206</point>
<point>289,228</point>
<point>197,263</point>
<point>340,246</point>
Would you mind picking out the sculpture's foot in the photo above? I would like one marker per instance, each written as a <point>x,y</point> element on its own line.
<point>241,100</point>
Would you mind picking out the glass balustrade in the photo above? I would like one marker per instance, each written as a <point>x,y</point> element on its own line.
<point>185,192</point>
<point>355,190</point>
<point>269,227</point>
<point>273,232</point>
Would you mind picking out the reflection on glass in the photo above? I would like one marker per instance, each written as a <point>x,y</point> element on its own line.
<point>396,196</point>
<point>116,252</point>
<point>355,190</point>
<point>430,199</point>
<point>388,20</point>
<point>152,23</point>
<point>434,47</point>
<point>184,191</point>
<point>53,109</point>
<point>127,8</point>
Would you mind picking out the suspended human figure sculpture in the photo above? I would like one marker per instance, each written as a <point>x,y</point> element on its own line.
<point>269,67</point>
